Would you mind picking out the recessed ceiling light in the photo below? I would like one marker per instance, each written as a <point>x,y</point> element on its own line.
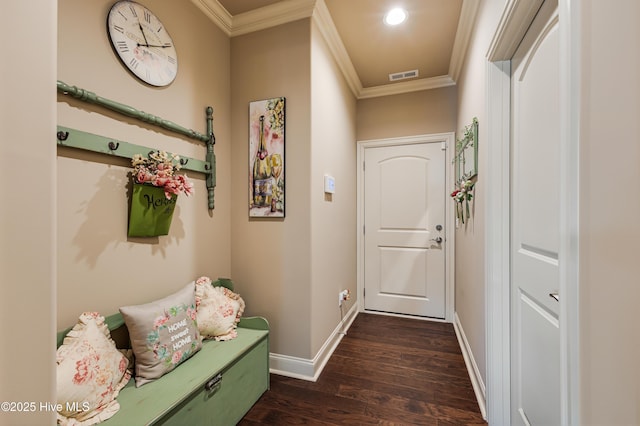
<point>395,16</point>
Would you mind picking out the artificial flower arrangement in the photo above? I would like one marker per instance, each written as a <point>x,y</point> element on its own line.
<point>463,195</point>
<point>159,169</point>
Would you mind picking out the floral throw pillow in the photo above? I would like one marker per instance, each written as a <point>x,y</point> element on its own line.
<point>163,334</point>
<point>90,373</point>
<point>218,310</point>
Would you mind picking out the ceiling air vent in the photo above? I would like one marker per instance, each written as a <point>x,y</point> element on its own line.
<point>403,75</point>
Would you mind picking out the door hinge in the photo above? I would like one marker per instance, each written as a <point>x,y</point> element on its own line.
<point>443,147</point>
<point>363,167</point>
<point>363,229</point>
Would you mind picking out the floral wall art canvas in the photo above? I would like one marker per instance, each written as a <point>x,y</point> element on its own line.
<point>266,158</point>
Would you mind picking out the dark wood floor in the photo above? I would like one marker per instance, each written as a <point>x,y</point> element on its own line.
<point>386,371</point>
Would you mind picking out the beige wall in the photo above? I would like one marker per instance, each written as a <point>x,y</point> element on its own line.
<point>409,114</point>
<point>470,237</point>
<point>609,206</point>
<point>27,210</point>
<point>296,268</point>
<point>609,157</point>
<point>99,268</point>
<point>271,258</point>
<point>74,232</point>
<point>333,218</point>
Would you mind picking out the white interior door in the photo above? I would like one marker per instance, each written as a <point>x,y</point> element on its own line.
<point>404,235</point>
<point>535,237</point>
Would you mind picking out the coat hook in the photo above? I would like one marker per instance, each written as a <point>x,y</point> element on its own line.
<point>62,136</point>
<point>114,146</point>
<point>184,161</point>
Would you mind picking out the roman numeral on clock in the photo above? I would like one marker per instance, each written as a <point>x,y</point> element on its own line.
<point>134,63</point>
<point>122,46</point>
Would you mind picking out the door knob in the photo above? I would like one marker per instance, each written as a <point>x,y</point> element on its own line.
<point>437,240</point>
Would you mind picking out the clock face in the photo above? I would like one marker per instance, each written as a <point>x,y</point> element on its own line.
<point>142,43</point>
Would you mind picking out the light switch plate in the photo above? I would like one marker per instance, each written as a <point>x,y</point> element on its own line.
<point>329,184</point>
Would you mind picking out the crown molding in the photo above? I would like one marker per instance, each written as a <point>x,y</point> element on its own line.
<point>258,19</point>
<point>292,10</point>
<point>463,36</point>
<point>406,87</point>
<point>216,13</point>
<point>322,18</point>
<point>271,16</point>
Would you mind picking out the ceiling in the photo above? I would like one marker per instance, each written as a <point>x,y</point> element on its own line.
<point>432,40</point>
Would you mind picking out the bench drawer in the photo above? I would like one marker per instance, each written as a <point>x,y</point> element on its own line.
<point>240,386</point>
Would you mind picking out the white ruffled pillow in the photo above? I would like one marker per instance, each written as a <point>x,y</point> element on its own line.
<point>90,373</point>
<point>218,310</point>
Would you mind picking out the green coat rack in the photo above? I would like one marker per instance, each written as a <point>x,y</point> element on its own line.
<point>82,140</point>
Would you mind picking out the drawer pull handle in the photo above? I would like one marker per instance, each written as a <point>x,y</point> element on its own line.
<point>215,381</point>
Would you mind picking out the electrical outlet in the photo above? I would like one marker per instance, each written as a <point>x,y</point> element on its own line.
<point>342,296</point>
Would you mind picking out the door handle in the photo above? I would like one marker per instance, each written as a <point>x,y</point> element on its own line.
<point>555,296</point>
<point>437,240</point>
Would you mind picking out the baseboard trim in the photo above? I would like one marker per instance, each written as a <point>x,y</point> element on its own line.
<point>310,369</point>
<point>472,367</point>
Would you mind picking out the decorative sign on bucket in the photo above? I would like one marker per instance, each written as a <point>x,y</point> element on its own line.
<point>155,191</point>
<point>151,211</point>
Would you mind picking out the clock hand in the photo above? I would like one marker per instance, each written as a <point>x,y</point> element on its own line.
<point>155,45</point>
<point>146,43</point>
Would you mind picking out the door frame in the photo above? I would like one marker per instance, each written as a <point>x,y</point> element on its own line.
<point>516,18</point>
<point>449,234</point>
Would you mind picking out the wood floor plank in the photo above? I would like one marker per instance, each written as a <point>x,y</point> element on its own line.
<point>394,373</point>
<point>385,371</point>
<point>417,359</point>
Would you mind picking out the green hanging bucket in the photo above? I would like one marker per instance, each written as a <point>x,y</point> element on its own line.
<point>151,211</point>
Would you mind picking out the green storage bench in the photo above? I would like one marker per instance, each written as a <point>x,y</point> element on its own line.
<point>216,386</point>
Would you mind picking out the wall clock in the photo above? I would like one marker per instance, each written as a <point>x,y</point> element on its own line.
<point>142,43</point>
